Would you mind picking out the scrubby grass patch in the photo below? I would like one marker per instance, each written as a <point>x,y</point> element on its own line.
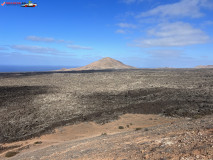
<point>38,142</point>
<point>104,134</point>
<point>121,127</point>
<point>10,154</point>
<point>146,129</point>
<point>137,129</point>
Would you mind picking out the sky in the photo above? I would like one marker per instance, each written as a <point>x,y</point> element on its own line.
<point>141,33</point>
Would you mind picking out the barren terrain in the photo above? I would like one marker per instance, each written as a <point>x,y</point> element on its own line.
<point>207,66</point>
<point>32,104</point>
<point>180,140</point>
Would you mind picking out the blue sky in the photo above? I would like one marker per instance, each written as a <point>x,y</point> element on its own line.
<point>141,33</point>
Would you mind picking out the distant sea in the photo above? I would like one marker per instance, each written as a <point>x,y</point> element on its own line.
<point>4,68</point>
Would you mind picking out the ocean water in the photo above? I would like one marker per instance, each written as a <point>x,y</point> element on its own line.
<point>4,68</point>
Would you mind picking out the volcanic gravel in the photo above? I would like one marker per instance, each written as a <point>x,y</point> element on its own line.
<point>35,103</point>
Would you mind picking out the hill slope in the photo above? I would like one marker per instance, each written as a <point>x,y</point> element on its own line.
<point>105,63</point>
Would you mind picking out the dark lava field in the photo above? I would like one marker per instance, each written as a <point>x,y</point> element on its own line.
<point>35,103</point>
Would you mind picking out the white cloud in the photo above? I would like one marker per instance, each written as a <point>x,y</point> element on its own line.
<point>173,34</point>
<point>79,47</point>
<point>120,31</point>
<point>165,53</point>
<point>45,39</point>
<point>126,25</point>
<point>40,39</point>
<point>3,48</point>
<point>207,23</point>
<point>184,8</point>
<point>206,4</point>
<point>37,49</point>
<point>7,54</point>
<point>131,1</point>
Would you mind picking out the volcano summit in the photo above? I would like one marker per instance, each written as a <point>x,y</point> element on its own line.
<point>102,64</point>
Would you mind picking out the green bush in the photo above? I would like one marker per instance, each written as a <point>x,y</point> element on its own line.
<point>137,129</point>
<point>121,127</point>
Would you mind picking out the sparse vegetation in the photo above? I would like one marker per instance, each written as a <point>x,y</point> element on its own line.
<point>146,129</point>
<point>38,142</point>
<point>2,149</point>
<point>104,134</point>
<point>127,126</point>
<point>121,127</point>
<point>10,154</point>
<point>34,103</point>
<point>137,129</point>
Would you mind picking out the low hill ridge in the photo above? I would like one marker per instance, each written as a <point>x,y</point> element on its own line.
<point>202,66</point>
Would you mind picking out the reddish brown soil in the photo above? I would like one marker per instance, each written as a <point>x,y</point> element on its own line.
<point>163,138</point>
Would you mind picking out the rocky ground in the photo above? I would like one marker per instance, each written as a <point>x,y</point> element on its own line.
<point>32,104</point>
<point>187,139</point>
